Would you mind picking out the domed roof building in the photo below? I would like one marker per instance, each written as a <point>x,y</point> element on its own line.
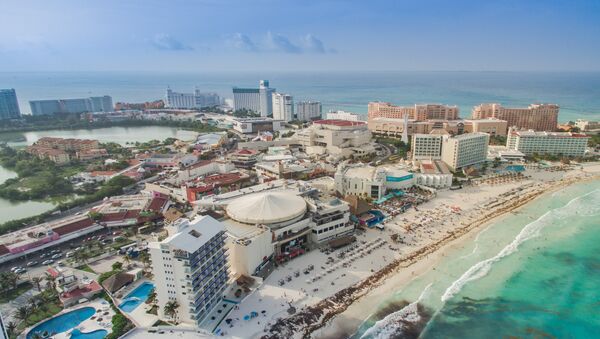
<point>272,208</point>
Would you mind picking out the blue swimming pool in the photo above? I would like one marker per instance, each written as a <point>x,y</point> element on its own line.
<point>62,323</point>
<point>515,168</point>
<point>97,334</point>
<point>136,297</point>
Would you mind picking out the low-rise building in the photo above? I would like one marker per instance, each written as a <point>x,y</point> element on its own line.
<point>434,173</point>
<point>191,268</point>
<point>370,182</point>
<point>277,221</point>
<point>257,125</point>
<point>211,141</point>
<point>342,115</point>
<point>55,155</point>
<point>170,160</point>
<point>338,138</point>
<point>586,125</point>
<point>491,126</point>
<point>244,158</point>
<point>553,143</point>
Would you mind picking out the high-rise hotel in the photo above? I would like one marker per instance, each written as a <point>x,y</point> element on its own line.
<point>418,112</point>
<point>190,267</point>
<point>538,117</point>
<point>258,100</point>
<point>9,107</point>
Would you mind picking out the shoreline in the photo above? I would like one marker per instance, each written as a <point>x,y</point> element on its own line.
<point>351,302</point>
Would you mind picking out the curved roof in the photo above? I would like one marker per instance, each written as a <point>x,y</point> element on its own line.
<point>266,208</point>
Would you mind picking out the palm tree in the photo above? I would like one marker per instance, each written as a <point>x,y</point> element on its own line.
<point>10,328</point>
<point>23,312</point>
<point>81,256</point>
<point>127,259</point>
<point>171,309</point>
<point>50,282</point>
<point>37,282</point>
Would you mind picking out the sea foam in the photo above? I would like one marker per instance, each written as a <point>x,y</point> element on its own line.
<point>394,323</point>
<point>577,206</point>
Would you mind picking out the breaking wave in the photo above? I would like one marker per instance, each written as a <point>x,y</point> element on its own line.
<point>577,206</point>
<point>394,324</point>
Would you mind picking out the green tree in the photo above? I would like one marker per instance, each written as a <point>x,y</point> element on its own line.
<point>170,309</point>
<point>117,266</point>
<point>37,283</point>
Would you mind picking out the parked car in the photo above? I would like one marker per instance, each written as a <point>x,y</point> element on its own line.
<point>57,255</point>
<point>14,268</point>
<point>20,270</point>
<point>60,264</point>
<point>56,251</point>
<point>32,263</point>
<point>48,262</point>
<point>70,254</point>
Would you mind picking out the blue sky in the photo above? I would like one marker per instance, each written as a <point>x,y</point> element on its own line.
<point>204,35</point>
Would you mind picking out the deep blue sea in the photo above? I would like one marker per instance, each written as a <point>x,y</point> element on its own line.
<point>577,93</point>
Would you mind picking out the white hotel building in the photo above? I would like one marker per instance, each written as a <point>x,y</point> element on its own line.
<point>465,150</point>
<point>308,110</point>
<point>191,268</point>
<point>283,107</point>
<point>426,146</point>
<point>554,143</point>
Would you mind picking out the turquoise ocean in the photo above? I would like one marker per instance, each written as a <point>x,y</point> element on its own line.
<point>577,93</point>
<point>530,274</point>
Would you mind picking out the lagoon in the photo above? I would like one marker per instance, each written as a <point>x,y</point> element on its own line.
<point>121,135</point>
<point>23,209</point>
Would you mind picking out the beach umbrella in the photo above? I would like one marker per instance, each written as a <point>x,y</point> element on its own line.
<point>246,317</point>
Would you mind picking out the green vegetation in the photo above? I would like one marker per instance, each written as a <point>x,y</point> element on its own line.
<point>40,307</point>
<point>9,287</point>
<point>112,187</point>
<point>245,113</point>
<point>120,323</point>
<point>38,179</point>
<point>401,148</point>
<point>594,140</point>
<point>73,121</point>
<point>108,274</point>
<point>86,268</point>
<point>498,140</point>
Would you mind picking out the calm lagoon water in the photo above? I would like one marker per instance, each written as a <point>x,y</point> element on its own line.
<point>534,274</point>
<point>16,210</point>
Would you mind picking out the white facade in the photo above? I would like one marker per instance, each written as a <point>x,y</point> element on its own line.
<point>343,115</point>
<point>308,110</point>
<point>246,98</point>
<point>426,146</point>
<point>191,100</point>
<point>190,267</point>
<point>554,143</point>
<point>265,98</point>
<point>257,125</point>
<point>283,107</point>
<point>465,150</point>
<point>338,138</point>
<point>367,181</point>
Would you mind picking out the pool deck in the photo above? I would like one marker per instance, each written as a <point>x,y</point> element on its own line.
<point>138,316</point>
<point>88,325</point>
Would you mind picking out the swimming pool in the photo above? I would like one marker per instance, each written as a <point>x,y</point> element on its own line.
<point>97,334</point>
<point>515,168</point>
<point>63,322</point>
<point>136,297</point>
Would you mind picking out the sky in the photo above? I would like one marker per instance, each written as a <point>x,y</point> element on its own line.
<point>217,35</point>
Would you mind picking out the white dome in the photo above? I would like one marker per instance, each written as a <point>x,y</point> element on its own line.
<point>266,208</point>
